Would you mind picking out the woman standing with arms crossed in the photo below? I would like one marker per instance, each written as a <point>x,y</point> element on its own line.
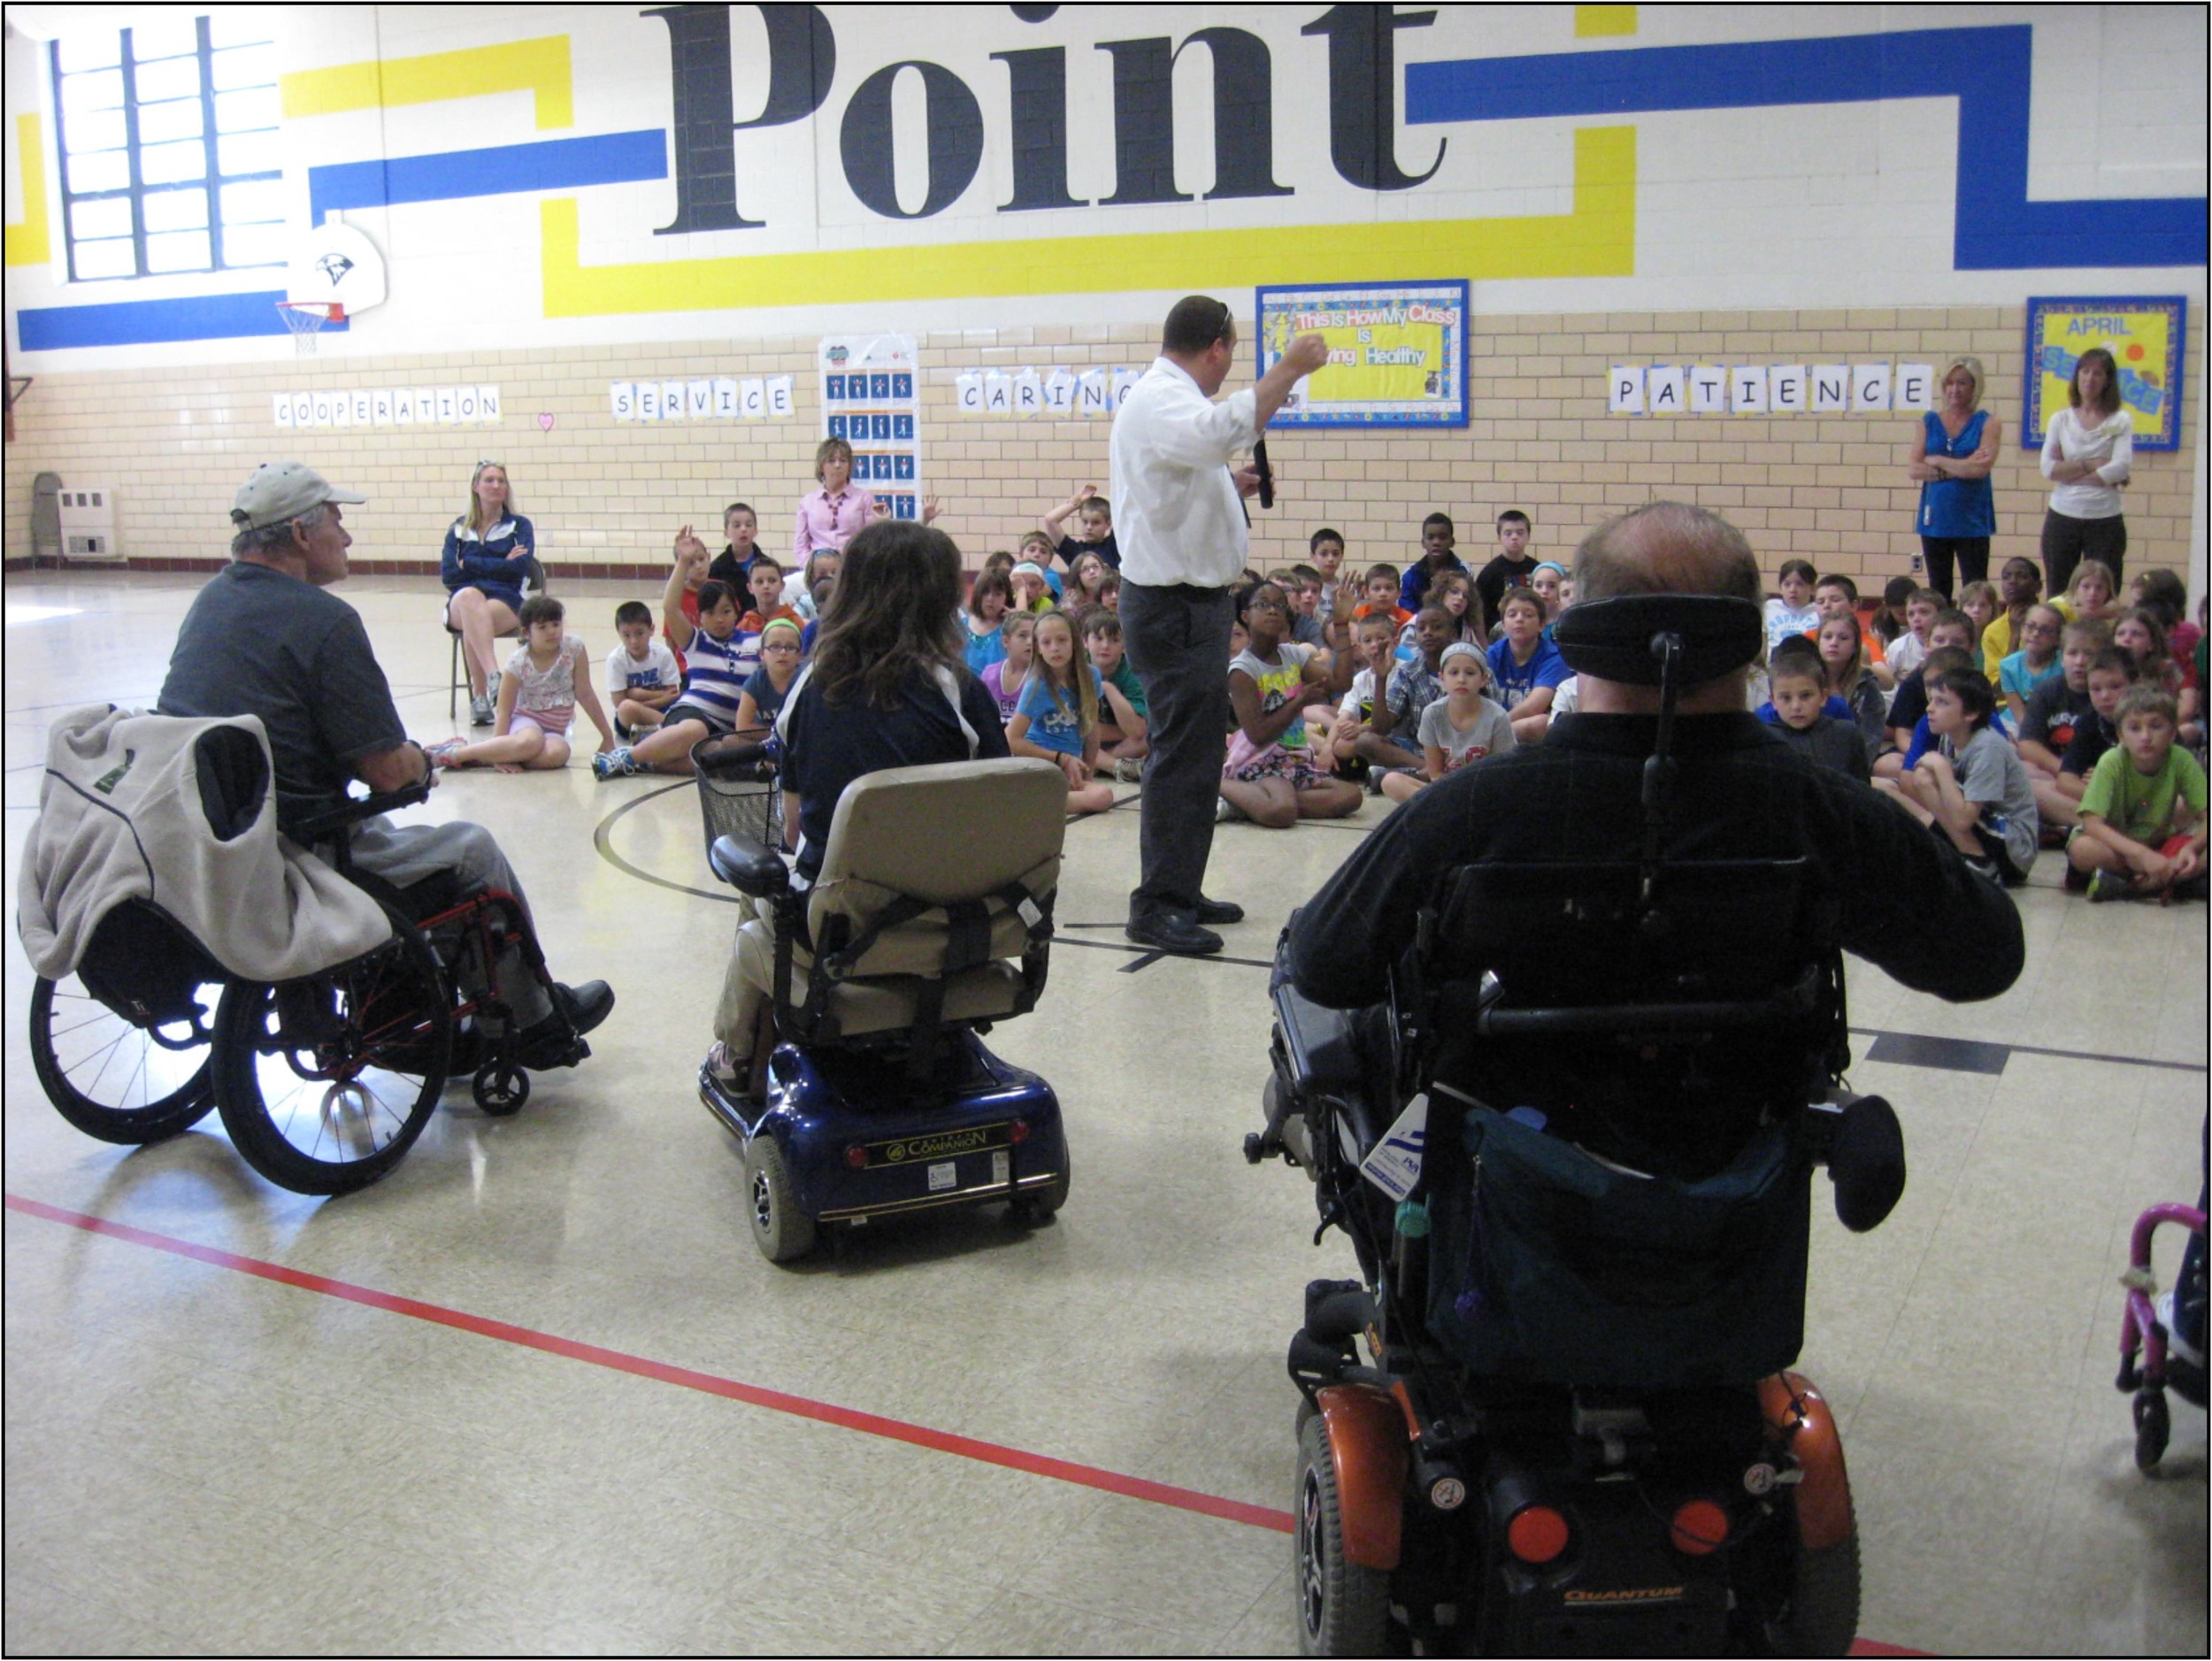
<point>1952,454</point>
<point>2088,451</point>
<point>485,562</point>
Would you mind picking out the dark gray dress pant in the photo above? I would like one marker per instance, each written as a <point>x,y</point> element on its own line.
<point>1176,640</point>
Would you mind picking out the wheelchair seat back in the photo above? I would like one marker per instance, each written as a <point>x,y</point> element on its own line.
<point>934,901</point>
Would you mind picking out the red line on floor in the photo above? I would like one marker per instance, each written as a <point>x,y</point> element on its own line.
<point>687,1377</point>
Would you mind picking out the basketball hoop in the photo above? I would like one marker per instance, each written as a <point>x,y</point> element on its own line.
<point>305,319</point>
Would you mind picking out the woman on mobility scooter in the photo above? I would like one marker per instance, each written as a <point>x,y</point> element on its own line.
<point>846,1055</point>
<point>1600,1046</point>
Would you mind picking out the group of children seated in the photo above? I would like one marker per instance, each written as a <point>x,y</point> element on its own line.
<point>2004,723</point>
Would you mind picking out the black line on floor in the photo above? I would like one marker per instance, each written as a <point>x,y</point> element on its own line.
<point>1949,1055</point>
<point>1143,960</point>
<point>599,840</point>
<point>1108,945</point>
<point>1878,1034</point>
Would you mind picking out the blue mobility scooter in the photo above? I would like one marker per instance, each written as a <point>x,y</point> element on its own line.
<point>1574,1156</point>
<point>930,920</point>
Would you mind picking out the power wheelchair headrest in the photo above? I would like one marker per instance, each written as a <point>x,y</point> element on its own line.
<point>1618,639</point>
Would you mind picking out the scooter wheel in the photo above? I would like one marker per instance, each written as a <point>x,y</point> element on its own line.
<point>2154,1425</point>
<point>500,1088</point>
<point>780,1229</point>
<point>1343,1609</point>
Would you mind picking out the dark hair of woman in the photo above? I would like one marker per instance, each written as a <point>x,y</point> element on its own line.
<point>895,611</point>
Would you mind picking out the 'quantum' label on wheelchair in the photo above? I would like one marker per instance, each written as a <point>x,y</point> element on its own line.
<point>938,1145</point>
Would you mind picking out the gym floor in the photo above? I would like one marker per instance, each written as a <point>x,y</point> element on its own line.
<point>538,1392</point>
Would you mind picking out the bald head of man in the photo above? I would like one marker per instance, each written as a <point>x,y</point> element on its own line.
<point>1665,548</point>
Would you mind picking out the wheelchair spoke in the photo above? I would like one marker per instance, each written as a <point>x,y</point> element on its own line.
<point>108,1075</point>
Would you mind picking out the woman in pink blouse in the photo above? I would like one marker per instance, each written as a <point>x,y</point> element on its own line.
<point>830,515</point>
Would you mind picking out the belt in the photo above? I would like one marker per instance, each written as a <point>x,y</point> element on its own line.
<point>1184,590</point>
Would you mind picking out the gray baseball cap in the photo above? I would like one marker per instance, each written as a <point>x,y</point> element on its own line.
<point>281,490</point>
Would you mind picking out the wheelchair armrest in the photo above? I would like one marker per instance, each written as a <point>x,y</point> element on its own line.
<point>749,867</point>
<point>1863,1145</point>
<point>317,827</point>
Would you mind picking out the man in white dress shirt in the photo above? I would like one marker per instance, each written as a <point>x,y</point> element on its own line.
<point>1181,525</point>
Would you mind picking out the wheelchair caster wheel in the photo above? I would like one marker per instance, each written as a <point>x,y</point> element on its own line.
<point>500,1089</point>
<point>2154,1425</point>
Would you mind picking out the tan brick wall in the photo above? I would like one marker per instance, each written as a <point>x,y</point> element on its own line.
<point>174,443</point>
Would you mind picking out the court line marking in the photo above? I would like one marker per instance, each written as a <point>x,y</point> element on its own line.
<point>922,1436</point>
<point>600,834</point>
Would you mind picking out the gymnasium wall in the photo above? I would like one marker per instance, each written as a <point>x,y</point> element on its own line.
<point>571,197</point>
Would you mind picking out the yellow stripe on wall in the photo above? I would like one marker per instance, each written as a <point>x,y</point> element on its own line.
<point>540,66</point>
<point>27,243</point>
<point>1591,22</point>
<point>1597,239</point>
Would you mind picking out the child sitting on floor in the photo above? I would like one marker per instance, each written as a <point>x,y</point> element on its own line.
<point>1379,588</point>
<point>1372,638</point>
<point>1799,711</point>
<point>1524,667</point>
<point>1835,595</point>
<point>2022,588</point>
<point>2047,727</point>
<point>1054,714</point>
<point>2142,828</point>
<point>1792,611</point>
<point>1972,789</point>
<point>1979,601</point>
<point>713,683</point>
<point>1269,776</point>
<point>1005,679</point>
<point>2020,673</point>
<point>643,678</point>
<point>989,600</point>
<point>1413,681</point>
<point>1909,650</point>
<point>548,675</point>
<point>1951,631</point>
<point>764,582</point>
<point>1845,676</point>
<point>767,687</point>
<point>1461,727</point>
<point>2093,594</point>
<point>1121,741</point>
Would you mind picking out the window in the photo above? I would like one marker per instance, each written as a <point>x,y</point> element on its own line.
<point>171,156</point>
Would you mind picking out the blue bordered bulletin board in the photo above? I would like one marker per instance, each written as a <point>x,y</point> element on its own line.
<point>2145,336</point>
<point>1398,352</point>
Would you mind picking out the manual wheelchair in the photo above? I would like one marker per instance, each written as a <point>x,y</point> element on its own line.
<point>930,921</point>
<point>1572,1154</point>
<point>324,1082</point>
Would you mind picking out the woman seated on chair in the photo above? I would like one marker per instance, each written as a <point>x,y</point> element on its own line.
<point>888,687</point>
<point>486,565</point>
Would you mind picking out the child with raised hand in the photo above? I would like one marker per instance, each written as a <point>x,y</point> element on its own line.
<point>1524,667</point>
<point>1095,528</point>
<point>1973,788</point>
<point>643,678</point>
<point>1436,535</point>
<point>2037,662</point>
<point>1270,776</point>
<point>1793,611</point>
<point>1054,715</point>
<point>1372,648</point>
<point>1979,601</point>
<point>1006,678</point>
<point>2021,587</point>
<point>1909,650</point>
<point>1413,681</point>
<point>990,599</point>
<point>1839,647</point>
<point>768,686</point>
<point>1798,684</point>
<point>2143,814</point>
<point>715,677</point>
<point>1122,709</point>
<point>1461,727</point>
<point>548,675</point>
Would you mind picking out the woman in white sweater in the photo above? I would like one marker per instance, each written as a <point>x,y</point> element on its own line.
<point>2087,451</point>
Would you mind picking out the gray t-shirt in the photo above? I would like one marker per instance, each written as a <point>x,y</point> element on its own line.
<point>1491,735</point>
<point>259,642</point>
<point>1992,777</point>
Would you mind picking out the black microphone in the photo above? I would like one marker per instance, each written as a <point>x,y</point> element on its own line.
<point>1267,474</point>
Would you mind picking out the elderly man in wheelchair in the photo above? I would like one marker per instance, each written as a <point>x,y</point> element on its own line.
<point>1560,1045</point>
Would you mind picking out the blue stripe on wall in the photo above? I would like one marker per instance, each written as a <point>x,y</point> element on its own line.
<point>561,163</point>
<point>1988,70</point>
<point>140,322</point>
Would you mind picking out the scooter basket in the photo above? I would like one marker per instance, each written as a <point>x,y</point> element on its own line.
<point>739,793</point>
<point>1549,1265</point>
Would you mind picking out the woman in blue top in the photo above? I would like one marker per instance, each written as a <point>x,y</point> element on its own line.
<point>486,564</point>
<point>1952,454</point>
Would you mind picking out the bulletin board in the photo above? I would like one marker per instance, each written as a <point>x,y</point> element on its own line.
<point>2145,336</point>
<point>1397,352</point>
<point>871,399</point>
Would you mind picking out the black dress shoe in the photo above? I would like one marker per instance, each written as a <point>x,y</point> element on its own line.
<point>1222,911</point>
<point>544,1044</point>
<point>1165,931</point>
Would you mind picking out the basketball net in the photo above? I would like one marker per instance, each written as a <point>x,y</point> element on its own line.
<point>305,319</point>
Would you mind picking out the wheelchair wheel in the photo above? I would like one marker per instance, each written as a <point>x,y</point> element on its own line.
<point>1343,1609</point>
<point>325,1082</point>
<point>112,1078</point>
<point>1822,1615</point>
<point>780,1229</point>
<point>500,1088</point>
<point>2154,1426</point>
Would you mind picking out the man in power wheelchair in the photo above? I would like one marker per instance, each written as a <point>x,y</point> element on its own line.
<point>1559,1045</point>
<point>915,913</point>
